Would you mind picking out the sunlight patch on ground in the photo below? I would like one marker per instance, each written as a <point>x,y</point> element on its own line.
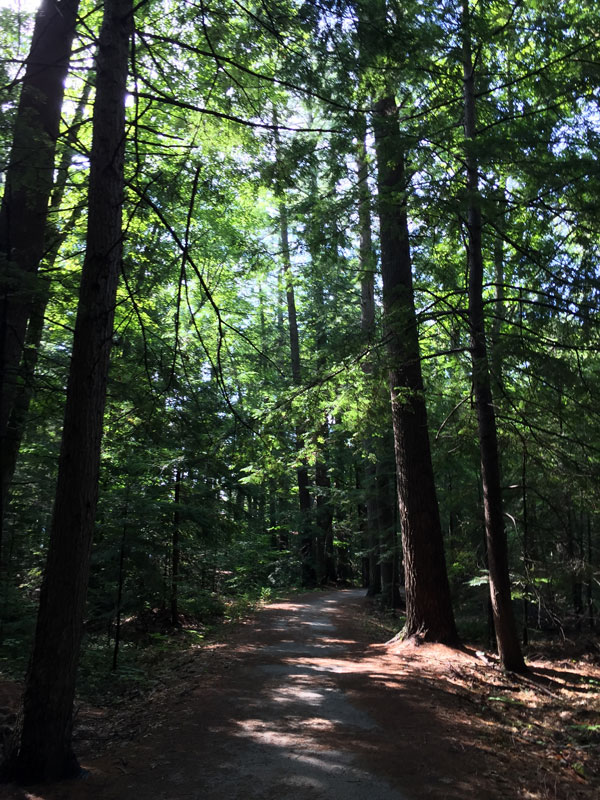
<point>292,694</point>
<point>304,782</point>
<point>313,624</point>
<point>320,666</point>
<point>328,665</point>
<point>260,731</point>
<point>328,765</point>
<point>286,607</point>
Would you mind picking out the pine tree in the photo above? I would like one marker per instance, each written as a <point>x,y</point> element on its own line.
<point>42,748</point>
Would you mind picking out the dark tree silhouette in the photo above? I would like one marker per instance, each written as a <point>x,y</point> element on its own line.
<point>42,749</point>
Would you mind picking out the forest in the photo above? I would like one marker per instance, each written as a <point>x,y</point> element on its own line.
<point>294,294</point>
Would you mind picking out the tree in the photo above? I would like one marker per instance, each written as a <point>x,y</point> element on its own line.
<point>307,543</point>
<point>368,329</point>
<point>27,189</point>
<point>17,421</point>
<point>497,552</point>
<point>428,602</point>
<point>202,376</point>
<point>42,748</point>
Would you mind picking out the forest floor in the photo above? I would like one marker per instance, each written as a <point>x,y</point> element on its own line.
<point>296,703</point>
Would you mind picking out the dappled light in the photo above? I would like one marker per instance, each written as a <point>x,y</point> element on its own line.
<point>297,297</point>
<point>302,704</point>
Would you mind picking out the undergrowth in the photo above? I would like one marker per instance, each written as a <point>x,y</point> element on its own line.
<point>148,647</point>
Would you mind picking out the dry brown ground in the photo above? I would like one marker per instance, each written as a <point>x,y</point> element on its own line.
<point>299,703</point>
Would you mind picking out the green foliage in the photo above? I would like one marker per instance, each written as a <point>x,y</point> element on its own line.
<point>200,379</point>
<point>203,605</point>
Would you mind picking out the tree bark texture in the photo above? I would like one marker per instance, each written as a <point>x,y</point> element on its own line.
<point>120,583</point>
<point>176,549</point>
<point>499,309</point>
<point>507,639</point>
<point>345,572</point>
<point>590,574</point>
<point>324,519</point>
<point>527,562</point>
<point>365,253</point>
<point>323,509</point>
<point>307,544</point>
<point>366,258</point>
<point>42,749</point>
<point>29,179</point>
<point>19,411</point>
<point>428,604</point>
<point>386,517</point>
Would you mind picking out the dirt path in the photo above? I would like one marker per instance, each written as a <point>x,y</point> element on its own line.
<point>297,706</point>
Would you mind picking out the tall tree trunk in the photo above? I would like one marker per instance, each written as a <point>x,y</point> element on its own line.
<point>590,575</point>
<point>42,748</point>
<point>366,257</point>
<point>499,310</point>
<point>324,514</point>
<point>428,603</point>
<point>527,563</point>
<point>386,517</point>
<point>344,570</point>
<point>575,556</point>
<point>323,508</point>
<point>175,550</point>
<point>120,584</point>
<point>507,639</point>
<point>24,392</point>
<point>307,545</point>
<point>28,185</point>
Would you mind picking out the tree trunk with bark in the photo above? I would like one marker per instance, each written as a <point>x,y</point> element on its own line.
<point>307,541</point>
<point>590,574</point>
<point>507,639</point>
<point>176,549</point>
<point>28,185</point>
<point>324,519</point>
<point>19,411</point>
<point>428,604</point>
<point>344,570</point>
<point>42,747</point>
<point>120,583</point>
<point>386,516</point>
<point>366,258</point>
<point>307,544</point>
